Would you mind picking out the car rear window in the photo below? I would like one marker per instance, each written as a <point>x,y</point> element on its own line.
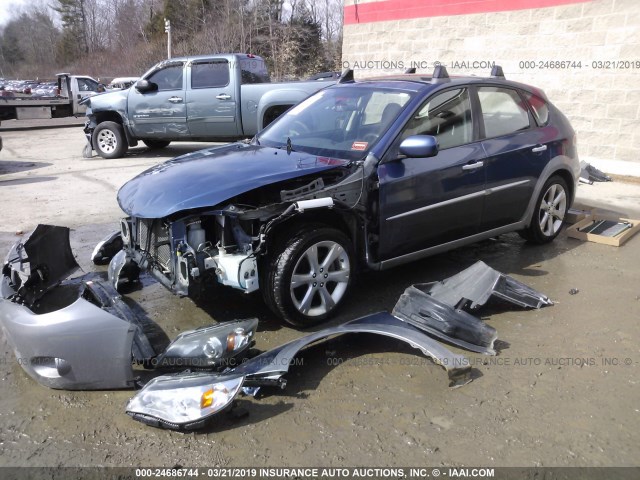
<point>539,107</point>
<point>503,111</point>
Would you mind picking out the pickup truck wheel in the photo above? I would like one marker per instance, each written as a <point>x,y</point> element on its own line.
<point>156,144</point>
<point>548,217</point>
<point>109,141</point>
<point>309,276</point>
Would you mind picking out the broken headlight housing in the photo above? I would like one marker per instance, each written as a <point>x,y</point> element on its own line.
<point>209,347</point>
<point>184,402</point>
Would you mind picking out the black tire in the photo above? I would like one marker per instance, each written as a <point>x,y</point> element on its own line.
<point>156,144</point>
<point>109,140</point>
<point>317,298</point>
<point>549,213</point>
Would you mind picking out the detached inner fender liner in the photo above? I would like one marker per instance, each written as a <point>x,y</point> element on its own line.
<point>445,322</point>
<point>40,263</point>
<point>472,288</point>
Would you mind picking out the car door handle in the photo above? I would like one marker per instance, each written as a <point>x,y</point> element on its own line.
<point>175,99</point>
<point>473,166</point>
<point>539,148</point>
<point>223,96</point>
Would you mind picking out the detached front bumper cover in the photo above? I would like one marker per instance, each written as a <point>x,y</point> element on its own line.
<point>79,334</point>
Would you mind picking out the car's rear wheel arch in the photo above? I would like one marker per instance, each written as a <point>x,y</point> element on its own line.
<point>569,180</point>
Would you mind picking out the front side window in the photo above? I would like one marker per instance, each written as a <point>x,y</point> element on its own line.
<point>210,74</point>
<point>503,111</point>
<point>447,116</point>
<point>87,85</point>
<point>168,77</point>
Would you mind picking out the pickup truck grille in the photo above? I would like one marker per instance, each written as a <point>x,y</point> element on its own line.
<point>153,238</point>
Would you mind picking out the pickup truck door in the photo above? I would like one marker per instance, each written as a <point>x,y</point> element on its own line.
<point>161,113</point>
<point>426,202</point>
<point>82,87</point>
<point>211,97</point>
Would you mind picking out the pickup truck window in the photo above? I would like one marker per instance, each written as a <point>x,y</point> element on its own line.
<point>253,70</point>
<point>168,77</point>
<point>210,73</point>
<point>87,85</point>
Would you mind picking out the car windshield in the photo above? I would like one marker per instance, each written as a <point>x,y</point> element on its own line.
<point>342,122</point>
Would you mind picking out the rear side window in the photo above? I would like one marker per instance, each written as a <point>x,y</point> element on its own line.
<point>503,111</point>
<point>253,70</point>
<point>539,107</point>
<point>210,74</point>
<point>447,116</point>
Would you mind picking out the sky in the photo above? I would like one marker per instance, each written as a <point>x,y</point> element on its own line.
<point>8,6</point>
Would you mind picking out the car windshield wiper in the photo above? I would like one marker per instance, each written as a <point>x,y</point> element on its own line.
<point>288,146</point>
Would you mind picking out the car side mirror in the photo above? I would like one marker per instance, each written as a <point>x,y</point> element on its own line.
<point>144,86</point>
<point>419,146</point>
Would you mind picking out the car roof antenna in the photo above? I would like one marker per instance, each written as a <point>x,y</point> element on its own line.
<point>347,76</point>
<point>497,72</point>
<point>410,70</point>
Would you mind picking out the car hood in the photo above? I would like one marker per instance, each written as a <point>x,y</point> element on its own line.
<point>211,176</point>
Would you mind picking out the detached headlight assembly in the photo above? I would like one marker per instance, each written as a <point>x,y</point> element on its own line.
<point>184,402</point>
<point>209,347</point>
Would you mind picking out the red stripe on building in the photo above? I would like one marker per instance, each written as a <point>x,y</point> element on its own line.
<point>403,9</point>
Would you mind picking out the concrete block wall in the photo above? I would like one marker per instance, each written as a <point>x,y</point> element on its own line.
<point>597,86</point>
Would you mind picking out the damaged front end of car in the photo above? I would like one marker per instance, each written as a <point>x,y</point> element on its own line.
<point>187,245</point>
<point>79,334</point>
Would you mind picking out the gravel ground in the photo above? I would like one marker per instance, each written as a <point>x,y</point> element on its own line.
<point>562,392</point>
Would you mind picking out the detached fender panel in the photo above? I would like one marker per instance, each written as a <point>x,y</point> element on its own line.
<point>275,363</point>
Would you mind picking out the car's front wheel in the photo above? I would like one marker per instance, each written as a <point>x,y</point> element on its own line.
<point>109,141</point>
<point>551,208</point>
<point>309,276</point>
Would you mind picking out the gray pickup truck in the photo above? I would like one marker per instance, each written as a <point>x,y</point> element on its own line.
<point>218,97</point>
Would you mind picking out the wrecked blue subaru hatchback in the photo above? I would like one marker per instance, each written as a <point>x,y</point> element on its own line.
<point>363,174</point>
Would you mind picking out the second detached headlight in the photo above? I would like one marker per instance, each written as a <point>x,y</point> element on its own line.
<point>209,347</point>
<point>184,402</point>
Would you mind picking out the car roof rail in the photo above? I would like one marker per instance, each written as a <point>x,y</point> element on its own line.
<point>347,76</point>
<point>410,70</point>
<point>496,72</point>
<point>440,74</point>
